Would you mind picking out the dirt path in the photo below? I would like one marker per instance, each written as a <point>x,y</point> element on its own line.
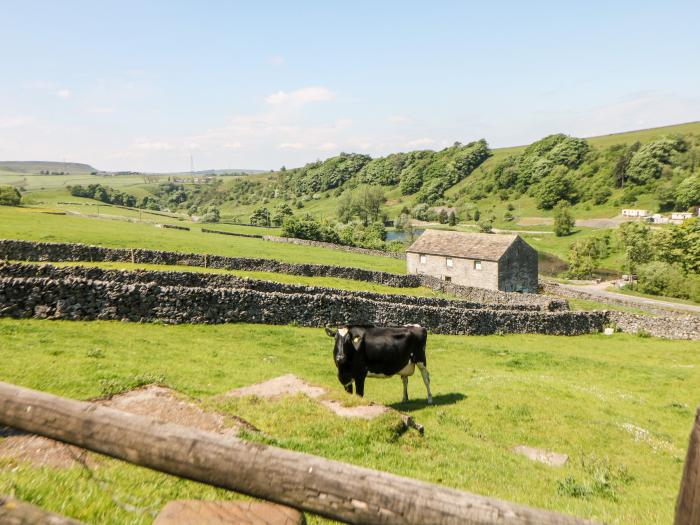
<point>599,290</point>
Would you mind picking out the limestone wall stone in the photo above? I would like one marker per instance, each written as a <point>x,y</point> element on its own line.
<point>16,250</point>
<point>88,299</point>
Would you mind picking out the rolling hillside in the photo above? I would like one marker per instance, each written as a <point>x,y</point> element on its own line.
<point>37,166</point>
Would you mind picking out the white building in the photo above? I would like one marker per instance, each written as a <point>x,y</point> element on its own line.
<point>681,215</point>
<point>635,213</point>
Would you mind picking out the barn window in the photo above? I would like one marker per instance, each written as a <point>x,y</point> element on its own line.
<point>448,262</point>
<point>477,265</point>
<point>423,259</point>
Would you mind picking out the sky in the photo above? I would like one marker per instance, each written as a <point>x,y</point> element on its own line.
<point>148,86</point>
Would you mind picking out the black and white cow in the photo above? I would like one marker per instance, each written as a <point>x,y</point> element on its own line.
<point>379,351</point>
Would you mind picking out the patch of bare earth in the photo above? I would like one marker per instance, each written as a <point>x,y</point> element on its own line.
<point>153,401</point>
<point>290,384</point>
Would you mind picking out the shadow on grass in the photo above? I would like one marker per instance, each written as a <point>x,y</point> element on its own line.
<point>421,403</point>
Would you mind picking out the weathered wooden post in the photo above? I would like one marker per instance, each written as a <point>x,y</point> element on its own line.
<point>16,512</point>
<point>688,502</point>
<point>329,488</point>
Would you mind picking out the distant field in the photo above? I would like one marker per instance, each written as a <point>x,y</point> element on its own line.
<point>30,224</point>
<point>621,407</point>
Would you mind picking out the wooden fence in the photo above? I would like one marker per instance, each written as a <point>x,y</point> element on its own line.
<point>688,502</point>
<point>309,483</point>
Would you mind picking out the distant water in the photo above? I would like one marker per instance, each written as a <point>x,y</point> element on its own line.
<point>401,236</point>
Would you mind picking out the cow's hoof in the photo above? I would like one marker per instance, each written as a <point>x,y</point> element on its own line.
<point>430,400</point>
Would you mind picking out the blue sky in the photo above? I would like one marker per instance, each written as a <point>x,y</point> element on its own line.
<point>142,85</point>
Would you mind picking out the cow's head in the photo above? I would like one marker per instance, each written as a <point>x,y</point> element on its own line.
<point>347,342</point>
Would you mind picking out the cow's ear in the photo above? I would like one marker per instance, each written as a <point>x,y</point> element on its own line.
<point>357,341</point>
<point>331,333</point>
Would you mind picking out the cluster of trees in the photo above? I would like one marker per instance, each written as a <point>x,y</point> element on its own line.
<point>562,168</point>
<point>105,194</point>
<point>424,173</point>
<point>321,176</point>
<point>666,261</point>
<point>372,235</point>
<point>10,196</point>
<point>364,202</point>
<point>262,216</point>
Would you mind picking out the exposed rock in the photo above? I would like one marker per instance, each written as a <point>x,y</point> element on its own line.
<point>553,459</point>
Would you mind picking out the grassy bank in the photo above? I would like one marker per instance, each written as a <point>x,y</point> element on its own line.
<point>31,224</point>
<point>620,407</point>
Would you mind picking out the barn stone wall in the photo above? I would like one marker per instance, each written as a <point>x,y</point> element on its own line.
<point>462,272</point>
<point>518,268</point>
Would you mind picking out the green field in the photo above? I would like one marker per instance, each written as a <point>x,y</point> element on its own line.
<point>30,224</point>
<point>621,407</point>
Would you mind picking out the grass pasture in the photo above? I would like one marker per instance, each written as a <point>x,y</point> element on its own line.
<point>621,407</point>
<point>31,224</point>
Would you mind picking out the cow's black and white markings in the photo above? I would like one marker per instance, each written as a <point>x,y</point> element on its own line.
<point>379,351</point>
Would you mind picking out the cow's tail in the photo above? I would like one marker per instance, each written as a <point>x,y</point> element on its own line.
<point>422,343</point>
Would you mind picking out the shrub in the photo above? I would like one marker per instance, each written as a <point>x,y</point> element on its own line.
<point>688,193</point>
<point>563,219</point>
<point>10,196</point>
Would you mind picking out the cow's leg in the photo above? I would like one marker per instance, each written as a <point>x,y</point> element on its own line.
<point>348,387</point>
<point>360,386</point>
<point>404,380</point>
<point>426,380</point>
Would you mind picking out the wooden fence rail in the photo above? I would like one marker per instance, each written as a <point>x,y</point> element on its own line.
<point>16,512</point>
<point>329,488</point>
<point>688,502</point>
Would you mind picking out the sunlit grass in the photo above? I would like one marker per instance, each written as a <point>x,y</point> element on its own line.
<point>575,395</point>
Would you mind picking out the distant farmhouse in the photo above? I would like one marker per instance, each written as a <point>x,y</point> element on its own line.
<point>635,213</point>
<point>482,260</point>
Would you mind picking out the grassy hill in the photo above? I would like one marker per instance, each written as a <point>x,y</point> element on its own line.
<point>503,184</point>
<point>37,166</point>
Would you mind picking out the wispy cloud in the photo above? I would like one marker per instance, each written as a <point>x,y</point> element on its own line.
<point>291,145</point>
<point>232,145</point>
<point>276,61</point>
<point>65,94</point>
<point>328,146</point>
<point>301,96</point>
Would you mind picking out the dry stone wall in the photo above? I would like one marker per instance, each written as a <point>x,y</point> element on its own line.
<point>482,295</point>
<point>670,327</point>
<point>89,299</point>
<point>46,252</point>
<point>213,280</point>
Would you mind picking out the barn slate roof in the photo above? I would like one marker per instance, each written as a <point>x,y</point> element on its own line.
<point>481,246</point>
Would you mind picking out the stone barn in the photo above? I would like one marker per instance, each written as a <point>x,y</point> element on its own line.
<point>482,260</point>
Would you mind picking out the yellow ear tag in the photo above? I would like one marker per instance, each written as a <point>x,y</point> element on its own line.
<point>356,340</point>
